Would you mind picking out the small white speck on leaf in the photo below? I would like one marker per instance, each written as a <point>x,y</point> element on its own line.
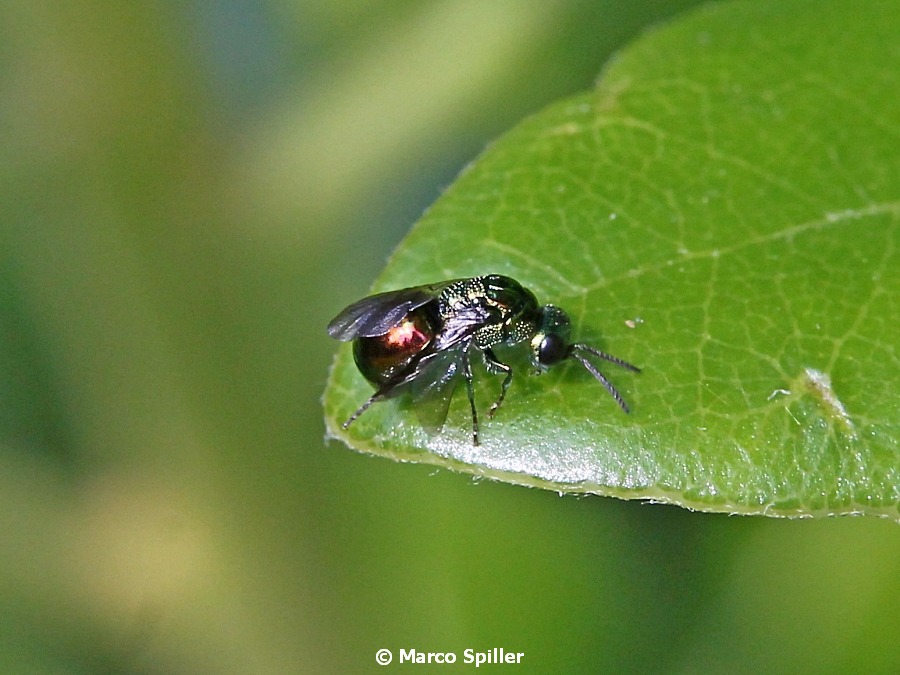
<point>819,384</point>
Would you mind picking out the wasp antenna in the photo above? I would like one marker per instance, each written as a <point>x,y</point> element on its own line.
<point>592,369</point>
<point>603,355</point>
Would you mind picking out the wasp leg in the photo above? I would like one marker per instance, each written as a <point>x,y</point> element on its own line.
<point>494,365</point>
<point>360,410</point>
<point>470,390</point>
<point>379,395</point>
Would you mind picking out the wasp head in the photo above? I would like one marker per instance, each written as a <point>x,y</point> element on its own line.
<point>551,345</point>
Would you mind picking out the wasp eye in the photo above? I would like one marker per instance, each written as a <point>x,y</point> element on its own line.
<point>553,349</point>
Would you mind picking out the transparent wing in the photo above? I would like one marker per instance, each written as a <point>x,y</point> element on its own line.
<point>432,389</point>
<point>377,314</point>
<point>430,386</point>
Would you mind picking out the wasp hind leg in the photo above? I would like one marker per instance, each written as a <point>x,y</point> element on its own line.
<point>359,411</point>
<point>379,395</point>
<point>470,390</point>
<point>494,365</point>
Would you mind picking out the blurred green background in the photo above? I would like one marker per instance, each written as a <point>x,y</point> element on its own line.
<point>188,193</point>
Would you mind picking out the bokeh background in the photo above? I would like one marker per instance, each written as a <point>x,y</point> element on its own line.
<point>188,193</point>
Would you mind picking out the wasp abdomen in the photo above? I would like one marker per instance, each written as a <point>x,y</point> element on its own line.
<point>382,358</point>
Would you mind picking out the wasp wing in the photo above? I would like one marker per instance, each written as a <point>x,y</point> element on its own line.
<point>377,314</point>
<point>433,386</point>
<point>430,384</point>
<point>433,380</point>
<point>464,320</point>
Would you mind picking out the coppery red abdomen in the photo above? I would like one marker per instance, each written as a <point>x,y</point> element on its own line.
<point>381,358</point>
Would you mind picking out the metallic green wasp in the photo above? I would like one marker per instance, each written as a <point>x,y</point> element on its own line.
<point>418,340</point>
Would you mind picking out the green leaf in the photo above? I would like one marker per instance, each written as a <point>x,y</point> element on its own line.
<point>723,212</point>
